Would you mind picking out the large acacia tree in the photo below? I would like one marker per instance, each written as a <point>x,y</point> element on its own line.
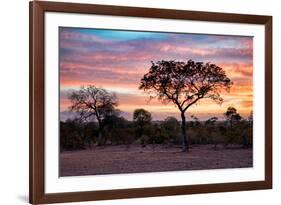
<point>93,103</point>
<point>184,84</point>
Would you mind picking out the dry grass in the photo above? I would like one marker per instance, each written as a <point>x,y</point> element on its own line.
<point>120,159</point>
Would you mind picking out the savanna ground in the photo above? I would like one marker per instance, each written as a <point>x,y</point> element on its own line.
<point>117,159</point>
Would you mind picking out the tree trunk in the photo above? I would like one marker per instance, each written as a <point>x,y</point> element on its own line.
<point>184,135</point>
<point>100,134</point>
<point>141,131</point>
<point>100,137</point>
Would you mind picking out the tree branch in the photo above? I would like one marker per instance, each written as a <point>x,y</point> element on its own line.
<point>192,103</point>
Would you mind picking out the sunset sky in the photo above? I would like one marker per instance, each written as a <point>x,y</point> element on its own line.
<point>117,60</point>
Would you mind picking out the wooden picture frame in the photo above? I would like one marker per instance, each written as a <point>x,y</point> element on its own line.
<point>37,193</point>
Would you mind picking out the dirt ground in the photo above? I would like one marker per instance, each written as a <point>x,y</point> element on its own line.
<point>135,159</point>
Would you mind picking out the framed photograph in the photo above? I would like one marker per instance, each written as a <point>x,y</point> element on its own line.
<point>139,102</point>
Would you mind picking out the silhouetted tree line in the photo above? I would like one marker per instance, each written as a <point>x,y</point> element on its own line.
<point>180,83</point>
<point>234,130</point>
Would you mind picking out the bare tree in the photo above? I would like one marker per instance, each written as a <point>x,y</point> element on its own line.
<point>184,84</point>
<point>92,102</point>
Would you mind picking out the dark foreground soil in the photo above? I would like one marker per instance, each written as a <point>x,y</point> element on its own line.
<point>135,159</point>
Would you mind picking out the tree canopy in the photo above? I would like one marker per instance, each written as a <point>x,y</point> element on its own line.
<point>93,102</point>
<point>141,118</point>
<point>184,83</point>
<point>232,115</point>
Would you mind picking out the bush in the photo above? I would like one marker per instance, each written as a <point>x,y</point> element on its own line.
<point>76,135</point>
<point>70,135</point>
